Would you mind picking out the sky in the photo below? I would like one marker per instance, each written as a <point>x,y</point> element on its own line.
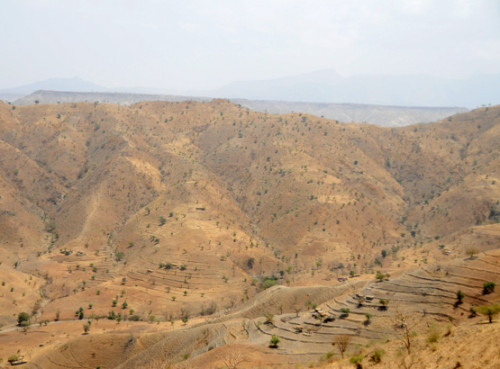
<point>206,44</point>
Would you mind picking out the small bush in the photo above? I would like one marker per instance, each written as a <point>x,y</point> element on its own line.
<point>368,319</point>
<point>471,251</point>
<point>356,360</point>
<point>379,276</point>
<point>376,356</point>
<point>86,328</point>
<point>433,337</point>
<point>274,341</point>
<point>269,318</point>
<point>345,312</point>
<point>162,220</point>
<point>22,317</point>
<point>212,308</point>
<point>488,287</point>
<point>384,303</point>
<point>490,310</point>
<point>268,282</point>
<point>329,355</point>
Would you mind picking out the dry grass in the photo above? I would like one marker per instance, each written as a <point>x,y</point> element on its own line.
<point>207,187</point>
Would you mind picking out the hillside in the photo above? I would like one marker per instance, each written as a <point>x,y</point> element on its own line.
<point>387,116</point>
<point>165,210</point>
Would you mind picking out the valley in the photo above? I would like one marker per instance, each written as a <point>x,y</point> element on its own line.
<point>187,234</point>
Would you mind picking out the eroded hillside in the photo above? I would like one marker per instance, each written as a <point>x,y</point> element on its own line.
<point>168,210</point>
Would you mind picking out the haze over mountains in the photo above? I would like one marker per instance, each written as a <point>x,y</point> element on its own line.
<point>411,90</point>
<point>388,116</point>
<point>244,184</point>
<point>383,100</point>
<point>324,86</point>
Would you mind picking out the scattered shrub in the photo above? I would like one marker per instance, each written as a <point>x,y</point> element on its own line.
<point>274,341</point>
<point>356,360</point>
<point>345,312</point>
<point>376,356</point>
<point>268,282</point>
<point>22,317</point>
<point>490,310</point>
<point>488,287</point>
<point>86,328</point>
<point>460,297</point>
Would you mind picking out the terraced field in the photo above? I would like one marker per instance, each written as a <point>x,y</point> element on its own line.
<point>423,295</point>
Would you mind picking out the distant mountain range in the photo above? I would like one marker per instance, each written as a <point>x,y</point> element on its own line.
<point>55,84</point>
<point>325,86</point>
<point>383,100</point>
<point>388,116</point>
<point>412,90</point>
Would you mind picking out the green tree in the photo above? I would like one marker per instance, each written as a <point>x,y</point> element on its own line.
<point>184,315</point>
<point>80,313</point>
<point>268,282</point>
<point>345,311</point>
<point>384,303</point>
<point>86,328</point>
<point>488,288</point>
<point>460,297</point>
<point>274,341</point>
<point>250,263</point>
<point>490,310</point>
<point>22,317</point>
<point>379,276</point>
<point>163,220</point>
<point>368,319</point>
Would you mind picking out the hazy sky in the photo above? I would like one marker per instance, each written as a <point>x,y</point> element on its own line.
<point>204,44</point>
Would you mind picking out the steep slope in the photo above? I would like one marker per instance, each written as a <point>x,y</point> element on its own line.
<point>161,210</point>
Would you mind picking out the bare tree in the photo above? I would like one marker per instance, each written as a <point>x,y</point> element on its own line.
<point>342,342</point>
<point>402,322</point>
<point>233,358</point>
<point>297,305</point>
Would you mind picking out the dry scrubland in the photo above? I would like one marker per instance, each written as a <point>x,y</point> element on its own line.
<point>203,229</point>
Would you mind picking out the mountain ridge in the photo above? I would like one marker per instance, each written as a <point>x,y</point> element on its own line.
<point>376,114</point>
<point>185,212</point>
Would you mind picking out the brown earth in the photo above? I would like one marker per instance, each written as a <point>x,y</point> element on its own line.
<point>95,197</point>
